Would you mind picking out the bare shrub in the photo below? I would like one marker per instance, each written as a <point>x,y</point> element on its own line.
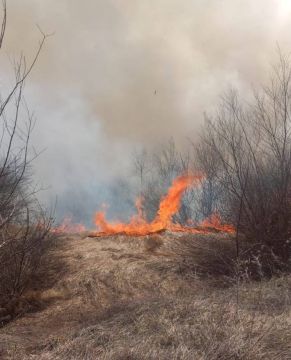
<point>23,223</point>
<point>246,152</point>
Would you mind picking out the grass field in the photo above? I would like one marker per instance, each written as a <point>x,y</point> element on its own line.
<point>163,296</point>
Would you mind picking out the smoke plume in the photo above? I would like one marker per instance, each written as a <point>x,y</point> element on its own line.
<point>120,74</point>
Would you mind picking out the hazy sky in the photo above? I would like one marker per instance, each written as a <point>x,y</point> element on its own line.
<point>123,73</point>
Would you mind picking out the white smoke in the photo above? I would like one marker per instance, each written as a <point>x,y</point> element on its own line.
<point>119,74</point>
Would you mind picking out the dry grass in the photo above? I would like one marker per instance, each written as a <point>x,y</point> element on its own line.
<point>136,298</point>
<point>177,329</point>
<point>37,280</point>
<point>153,242</point>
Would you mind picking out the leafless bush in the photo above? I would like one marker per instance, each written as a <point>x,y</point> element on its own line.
<point>246,153</point>
<point>23,224</point>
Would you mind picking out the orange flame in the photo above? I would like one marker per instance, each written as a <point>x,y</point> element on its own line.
<point>67,226</point>
<point>214,222</point>
<point>169,206</point>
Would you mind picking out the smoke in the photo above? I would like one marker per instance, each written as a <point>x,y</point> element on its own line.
<point>118,74</point>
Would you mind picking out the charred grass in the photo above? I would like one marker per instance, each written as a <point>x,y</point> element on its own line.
<point>164,297</point>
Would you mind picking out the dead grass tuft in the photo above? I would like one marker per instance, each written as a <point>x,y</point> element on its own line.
<point>153,242</point>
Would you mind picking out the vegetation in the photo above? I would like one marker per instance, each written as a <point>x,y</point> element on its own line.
<point>118,298</point>
<point>245,153</point>
<point>162,296</point>
<point>23,224</point>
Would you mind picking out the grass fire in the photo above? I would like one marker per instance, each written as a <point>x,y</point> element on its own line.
<point>145,180</point>
<point>169,205</point>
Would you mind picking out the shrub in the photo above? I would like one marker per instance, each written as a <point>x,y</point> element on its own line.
<point>245,152</point>
<point>23,224</point>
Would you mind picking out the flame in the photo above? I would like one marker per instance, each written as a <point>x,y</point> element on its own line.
<point>214,222</point>
<point>169,205</point>
<point>138,226</point>
<point>67,226</point>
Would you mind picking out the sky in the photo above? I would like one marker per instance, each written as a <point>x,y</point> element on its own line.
<point>122,74</point>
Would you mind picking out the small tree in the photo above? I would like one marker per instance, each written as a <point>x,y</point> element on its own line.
<point>246,153</point>
<point>23,224</point>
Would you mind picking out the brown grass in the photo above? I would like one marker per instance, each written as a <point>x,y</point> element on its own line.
<point>153,242</point>
<point>125,298</point>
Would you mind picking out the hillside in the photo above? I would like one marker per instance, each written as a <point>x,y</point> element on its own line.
<point>149,298</point>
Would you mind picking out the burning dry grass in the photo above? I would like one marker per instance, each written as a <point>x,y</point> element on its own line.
<point>147,298</point>
<point>169,206</point>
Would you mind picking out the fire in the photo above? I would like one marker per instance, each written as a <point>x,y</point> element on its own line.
<point>138,226</point>
<point>67,226</point>
<point>214,222</point>
<point>169,206</point>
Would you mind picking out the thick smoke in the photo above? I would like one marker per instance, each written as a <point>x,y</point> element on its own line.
<point>118,74</point>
